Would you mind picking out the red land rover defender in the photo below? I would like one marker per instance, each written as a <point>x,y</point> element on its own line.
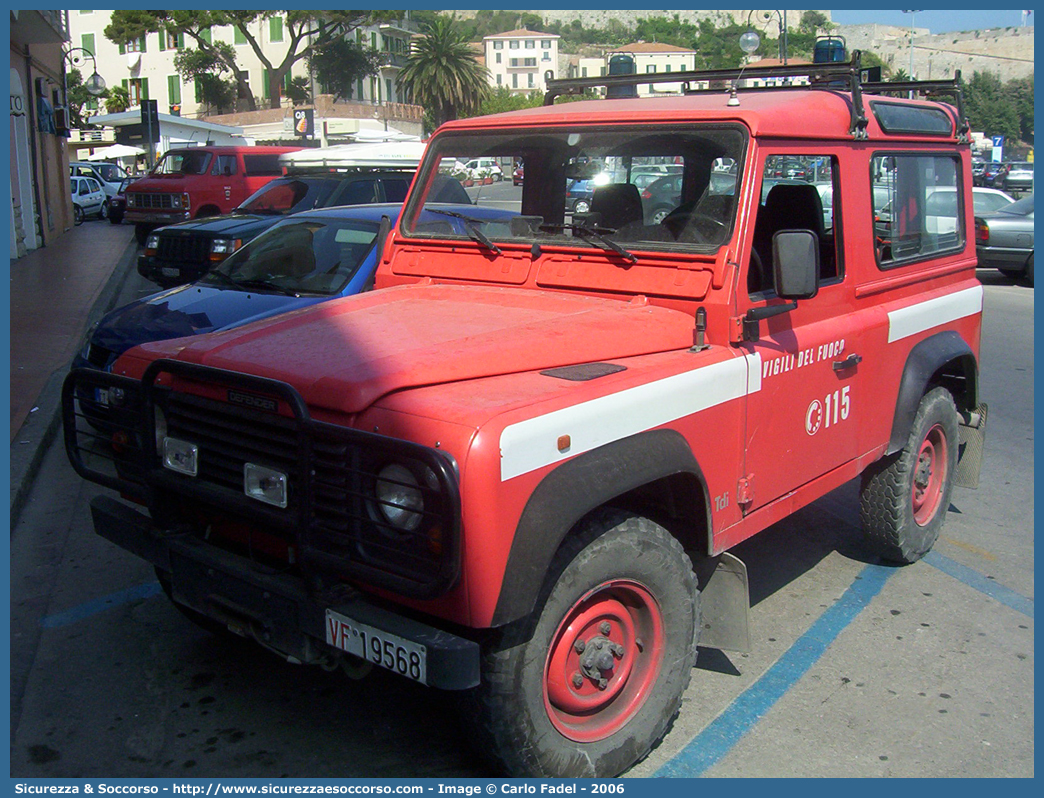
<point>515,469</point>
<point>199,181</point>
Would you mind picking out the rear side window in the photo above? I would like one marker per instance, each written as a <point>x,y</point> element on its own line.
<point>395,189</point>
<point>917,207</point>
<point>262,164</point>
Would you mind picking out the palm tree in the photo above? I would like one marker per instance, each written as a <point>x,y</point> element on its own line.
<point>442,74</point>
<point>117,100</point>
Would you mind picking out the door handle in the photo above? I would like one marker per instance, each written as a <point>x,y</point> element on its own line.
<point>849,362</point>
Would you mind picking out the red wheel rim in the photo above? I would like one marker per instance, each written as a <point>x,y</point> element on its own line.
<point>929,475</point>
<point>618,624</point>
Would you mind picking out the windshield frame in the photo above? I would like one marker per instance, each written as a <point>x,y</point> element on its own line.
<point>232,270</point>
<point>450,146</point>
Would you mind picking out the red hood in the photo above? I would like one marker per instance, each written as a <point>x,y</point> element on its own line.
<point>345,354</point>
<point>157,182</point>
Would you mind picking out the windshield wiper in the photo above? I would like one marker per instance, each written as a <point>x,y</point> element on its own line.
<point>223,278</point>
<point>596,234</point>
<point>259,282</point>
<point>473,232</point>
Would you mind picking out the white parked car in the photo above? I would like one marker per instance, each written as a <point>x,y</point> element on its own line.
<point>484,167</point>
<point>88,198</point>
<point>941,206</point>
<point>109,175</point>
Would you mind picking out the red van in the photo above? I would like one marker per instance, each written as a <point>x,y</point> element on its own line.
<point>199,181</point>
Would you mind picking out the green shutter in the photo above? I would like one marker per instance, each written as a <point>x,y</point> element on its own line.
<point>144,41</point>
<point>264,83</point>
<point>144,89</point>
<point>275,29</point>
<point>240,38</point>
<point>87,40</point>
<point>174,89</point>
<point>199,91</point>
<point>122,49</point>
<point>207,36</point>
<point>287,80</point>
<point>163,40</point>
<point>181,41</point>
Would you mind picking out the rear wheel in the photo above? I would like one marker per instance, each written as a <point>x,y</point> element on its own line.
<point>77,215</point>
<point>582,206</point>
<point>905,496</point>
<point>599,679</point>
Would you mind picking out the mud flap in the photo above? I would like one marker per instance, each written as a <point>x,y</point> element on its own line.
<point>970,451</point>
<point>725,604</point>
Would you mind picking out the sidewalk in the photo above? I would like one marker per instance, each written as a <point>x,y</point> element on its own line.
<point>57,292</point>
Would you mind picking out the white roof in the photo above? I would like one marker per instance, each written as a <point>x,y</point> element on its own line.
<point>386,154</point>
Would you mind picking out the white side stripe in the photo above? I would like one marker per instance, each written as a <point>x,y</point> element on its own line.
<point>533,443</point>
<point>914,319</point>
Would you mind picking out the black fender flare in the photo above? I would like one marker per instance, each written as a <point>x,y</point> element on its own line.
<point>573,490</point>
<point>924,361</point>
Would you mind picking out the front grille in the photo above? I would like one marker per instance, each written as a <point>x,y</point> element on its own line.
<point>332,509</point>
<point>152,201</point>
<point>184,248</point>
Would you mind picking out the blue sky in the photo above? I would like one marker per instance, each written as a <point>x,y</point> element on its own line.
<point>938,21</point>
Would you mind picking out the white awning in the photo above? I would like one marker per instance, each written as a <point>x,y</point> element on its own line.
<point>114,151</point>
<point>386,154</point>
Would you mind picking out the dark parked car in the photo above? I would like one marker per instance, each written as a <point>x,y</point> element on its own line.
<point>978,167</point>
<point>181,253</point>
<point>1004,239</point>
<point>308,258</point>
<point>118,202</point>
<point>578,195</point>
<point>661,197</point>
<point>991,173</point>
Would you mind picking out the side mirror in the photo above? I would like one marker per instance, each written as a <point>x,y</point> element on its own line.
<point>795,258</point>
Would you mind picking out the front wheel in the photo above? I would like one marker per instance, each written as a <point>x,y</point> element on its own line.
<point>905,496</point>
<point>600,678</point>
<point>582,206</point>
<point>103,211</point>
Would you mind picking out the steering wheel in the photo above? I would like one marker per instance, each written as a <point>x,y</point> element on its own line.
<point>689,224</point>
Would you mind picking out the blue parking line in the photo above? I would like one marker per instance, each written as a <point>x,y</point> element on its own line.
<point>82,611</point>
<point>712,744</point>
<point>972,578</point>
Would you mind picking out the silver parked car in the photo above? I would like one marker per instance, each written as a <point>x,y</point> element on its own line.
<point>1004,239</point>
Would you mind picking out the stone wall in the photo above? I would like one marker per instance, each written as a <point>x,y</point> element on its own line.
<point>1007,52</point>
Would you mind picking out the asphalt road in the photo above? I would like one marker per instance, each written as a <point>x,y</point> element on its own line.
<point>856,670</point>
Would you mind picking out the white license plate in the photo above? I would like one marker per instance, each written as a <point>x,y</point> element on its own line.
<point>169,271</point>
<point>404,657</point>
<point>101,396</point>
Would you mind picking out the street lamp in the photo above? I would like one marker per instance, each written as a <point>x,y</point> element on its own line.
<point>781,18</point>
<point>78,58</point>
<point>913,17</point>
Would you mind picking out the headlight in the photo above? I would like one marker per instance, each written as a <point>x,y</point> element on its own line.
<point>221,248</point>
<point>152,242</point>
<point>399,497</point>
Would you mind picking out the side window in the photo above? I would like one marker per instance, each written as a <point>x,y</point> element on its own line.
<point>84,190</point>
<point>917,207</point>
<point>395,189</point>
<point>798,192</point>
<point>224,165</point>
<point>359,192</point>
<point>266,164</point>
<point>93,184</point>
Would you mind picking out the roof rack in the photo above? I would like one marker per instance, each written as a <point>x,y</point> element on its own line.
<point>844,75</point>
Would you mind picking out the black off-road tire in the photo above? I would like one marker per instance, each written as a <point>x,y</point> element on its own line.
<point>905,496</point>
<point>619,569</point>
